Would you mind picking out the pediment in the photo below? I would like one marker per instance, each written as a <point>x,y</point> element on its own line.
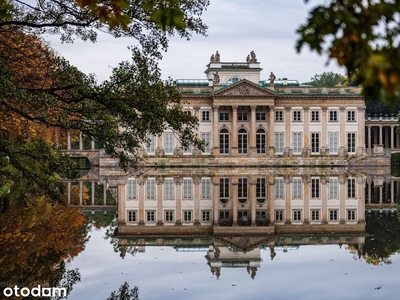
<point>244,88</point>
<point>245,243</point>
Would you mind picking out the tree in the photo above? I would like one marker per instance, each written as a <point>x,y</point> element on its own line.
<point>125,293</point>
<point>328,79</point>
<point>361,35</point>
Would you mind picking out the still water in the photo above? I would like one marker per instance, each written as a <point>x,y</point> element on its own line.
<point>238,233</point>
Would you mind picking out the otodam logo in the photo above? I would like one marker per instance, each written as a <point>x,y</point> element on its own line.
<point>37,291</point>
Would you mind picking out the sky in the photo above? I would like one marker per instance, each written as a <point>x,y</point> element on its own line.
<point>236,27</point>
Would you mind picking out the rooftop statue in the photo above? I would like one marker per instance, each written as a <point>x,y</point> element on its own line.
<point>248,58</point>
<point>216,77</point>
<point>271,78</point>
<point>212,58</point>
<point>253,56</point>
<point>217,57</point>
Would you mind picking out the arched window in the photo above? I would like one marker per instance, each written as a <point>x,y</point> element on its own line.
<point>224,141</point>
<point>242,141</point>
<point>260,140</point>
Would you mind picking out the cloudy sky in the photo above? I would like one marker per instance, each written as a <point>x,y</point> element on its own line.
<point>235,28</point>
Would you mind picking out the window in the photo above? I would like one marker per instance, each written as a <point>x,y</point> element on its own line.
<point>351,116</point>
<point>169,189</point>
<point>333,215</point>
<point>279,142</point>
<point>260,140</point>
<point>315,188</point>
<point>333,188</point>
<point>224,190</point>
<point>224,141</point>
<point>242,190</point>
<point>333,142</point>
<point>243,215</point>
<point>315,215</point>
<point>279,188</point>
<point>205,116</point>
<point>314,142</point>
<point>297,142</point>
<point>242,141</point>
<point>260,190</point>
<point>169,216</point>
<point>261,215</point>
<point>315,116</point>
<point>132,216</point>
<point>131,189</point>
<point>151,188</point>
<point>297,215</point>
<point>169,143</point>
<point>297,188</point>
<point>260,116</point>
<point>223,116</point>
<point>333,116</point>
<point>351,215</point>
<point>279,215</point>
<point>187,216</point>
<point>206,138</point>
<point>151,215</point>
<point>351,188</point>
<point>187,188</point>
<point>206,216</point>
<point>351,142</point>
<point>279,116</point>
<point>242,116</point>
<point>151,143</point>
<point>205,188</point>
<point>224,215</point>
<point>297,116</point>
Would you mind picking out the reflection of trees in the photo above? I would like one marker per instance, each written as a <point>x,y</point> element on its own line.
<point>125,293</point>
<point>37,241</point>
<point>384,240</point>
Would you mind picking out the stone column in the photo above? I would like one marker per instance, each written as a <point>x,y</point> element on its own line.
<point>234,197</point>
<point>215,197</point>
<point>288,199</point>
<point>324,131</point>
<point>160,200</point>
<point>80,141</point>
<point>369,137</point>
<point>234,132</point>
<point>387,144</point>
<point>342,131</point>
<point>306,131</point>
<point>342,197</point>
<point>159,145</point>
<point>196,199</point>
<point>121,200</point>
<point>252,198</point>
<point>141,196</point>
<point>215,133</point>
<point>324,200</point>
<point>69,192</point>
<point>93,192</point>
<point>391,192</point>
<point>380,134</point>
<point>178,201</point>
<point>360,197</point>
<point>68,141</point>
<point>369,184</point>
<point>380,194</point>
<point>392,137</point>
<point>271,199</point>
<point>306,197</point>
<point>288,132</point>
<point>361,131</point>
<point>80,193</point>
<point>271,131</point>
<point>252,133</point>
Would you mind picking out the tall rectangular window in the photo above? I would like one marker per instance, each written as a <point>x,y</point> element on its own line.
<point>333,116</point>
<point>169,216</point>
<point>351,142</point>
<point>296,116</point>
<point>205,188</point>
<point>333,188</point>
<point>187,188</point>
<point>279,116</point>
<point>351,214</point>
<point>279,188</point>
<point>315,116</point>
<point>224,190</point>
<point>333,215</point>
<point>351,188</point>
<point>297,188</point>
<point>151,188</point>
<point>297,142</point>
<point>315,142</point>
<point>297,215</point>
<point>205,136</point>
<point>279,213</point>
<point>333,142</point>
<point>168,143</point>
<point>223,116</point>
<point>187,216</point>
<point>242,116</point>
<point>260,190</point>
<point>151,143</point>
<point>260,140</point>
<point>205,116</point>
<point>206,216</point>
<point>151,215</point>
<point>169,189</point>
<point>242,190</point>
<point>132,216</point>
<point>279,142</point>
<point>131,189</point>
<point>315,190</point>
<point>315,215</point>
<point>260,116</point>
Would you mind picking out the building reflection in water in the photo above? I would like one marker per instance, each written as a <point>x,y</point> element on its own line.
<point>232,214</point>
